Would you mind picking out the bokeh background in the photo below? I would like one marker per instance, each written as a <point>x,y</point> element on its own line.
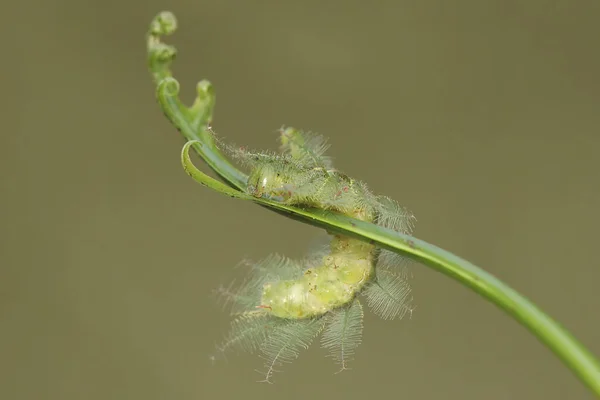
<point>479,116</point>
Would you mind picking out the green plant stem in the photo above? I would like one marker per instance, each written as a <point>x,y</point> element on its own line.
<point>194,122</point>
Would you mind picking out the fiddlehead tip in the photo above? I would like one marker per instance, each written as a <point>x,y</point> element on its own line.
<point>164,23</point>
<point>205,90</point>
<point>160,55</point>
<point>202,109</point>
<point>168,87</point>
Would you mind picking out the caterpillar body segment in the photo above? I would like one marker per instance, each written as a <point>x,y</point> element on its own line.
<point>333,284</point>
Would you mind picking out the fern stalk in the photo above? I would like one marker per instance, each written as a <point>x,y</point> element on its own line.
<point>194,124</point>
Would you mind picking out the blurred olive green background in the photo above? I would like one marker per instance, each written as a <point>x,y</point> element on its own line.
<point>479,116</point>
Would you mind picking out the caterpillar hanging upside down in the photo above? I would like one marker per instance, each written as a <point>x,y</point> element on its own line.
<point>284,303</point>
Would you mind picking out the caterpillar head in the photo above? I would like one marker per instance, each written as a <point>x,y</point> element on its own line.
<point>270,179</point>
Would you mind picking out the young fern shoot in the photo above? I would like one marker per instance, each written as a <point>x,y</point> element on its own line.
<point>305,189</point>
<point>284,304</point>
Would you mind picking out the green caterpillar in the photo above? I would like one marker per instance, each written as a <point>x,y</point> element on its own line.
<point>283,304</point>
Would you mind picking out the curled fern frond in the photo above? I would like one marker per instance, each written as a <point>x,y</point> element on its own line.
<point>309,189</point>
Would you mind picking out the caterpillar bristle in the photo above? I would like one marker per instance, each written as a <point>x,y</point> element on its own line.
<point>248,332</point>
<point>393,216</point>
<point>284,343</point>
<point>389,295</point>
<point>306,147</point>
<point>343,333</point>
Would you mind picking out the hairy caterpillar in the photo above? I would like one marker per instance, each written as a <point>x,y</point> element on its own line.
<point>283,304</point>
